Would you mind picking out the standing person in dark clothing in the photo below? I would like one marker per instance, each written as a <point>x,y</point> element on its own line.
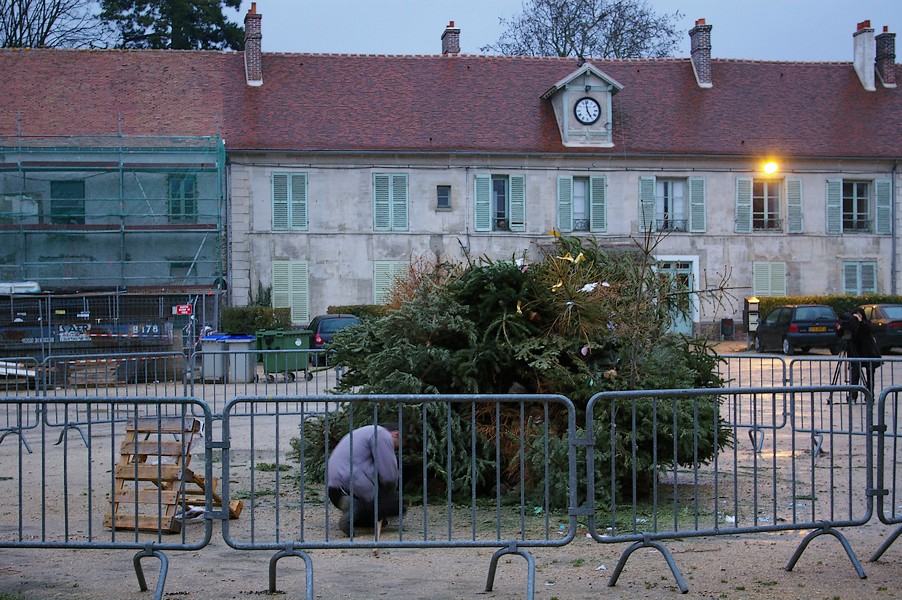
<point>364,467</point>
<point>859,343</point>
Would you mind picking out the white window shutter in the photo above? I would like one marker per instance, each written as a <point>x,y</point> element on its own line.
<point>564,204</point>
<point>518,203</point>
<point>646,203</point>
<point>834,206</point>
<point>300,311</point>
<point>482,204</point>
<point>778,278</point>
<point>385,274</point>
<point>289,289</point>
<point>279,201</point>
<point>794,223</point>
<point>697,205</point>
<point>769,278</point>
<point>883,202</point>
<point>299,201</point>
<point>598,217</point>
<point>743,205</point>
<point>850,283</point>
<point>399,202</point>
<point>381,202</point>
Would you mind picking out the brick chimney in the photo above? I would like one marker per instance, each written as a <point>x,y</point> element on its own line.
<point>886,58</point>
<point>864,54</point>
<point>700,53</point>
<point>451,39</point>
<point>253,37</point>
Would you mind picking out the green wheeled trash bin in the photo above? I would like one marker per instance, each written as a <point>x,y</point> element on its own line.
<point>286,352</point>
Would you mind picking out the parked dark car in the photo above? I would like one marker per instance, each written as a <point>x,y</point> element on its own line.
<point>886,320</point>
<point>798,327</point>
<point>323,328</point>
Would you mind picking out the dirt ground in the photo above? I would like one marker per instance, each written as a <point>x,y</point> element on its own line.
<point>728,567</point>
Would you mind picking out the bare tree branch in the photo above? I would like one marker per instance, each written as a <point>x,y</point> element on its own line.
<point>588,28</point>
<point>52,24</point>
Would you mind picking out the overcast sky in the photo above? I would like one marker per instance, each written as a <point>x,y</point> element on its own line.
<point>806,30</point>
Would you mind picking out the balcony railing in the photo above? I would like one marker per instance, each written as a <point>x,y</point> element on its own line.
<point>767,224</point>
<point>671,225</point>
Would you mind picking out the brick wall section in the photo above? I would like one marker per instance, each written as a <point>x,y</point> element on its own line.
<point>886,58</point>
<point>700,38</point>
<point>253,40</point>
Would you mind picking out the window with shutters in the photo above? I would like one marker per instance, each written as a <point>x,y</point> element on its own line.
<point>500,203</point>
<point>390,202</point>
<point>760,205</point>
<point>385,275</point>
<point>855,206</point>
<point>289,289</point>
<point>859,278</point>
<point>289,201</point>
<point>768,279</point>
<point>182,198</point>
<point>581,204</point>
<point>670,204</point>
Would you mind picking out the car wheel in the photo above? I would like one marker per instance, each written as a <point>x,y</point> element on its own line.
<point>834,350</point>
<point>308,375</point>
<point>788,348</point>
<point>759,346</point>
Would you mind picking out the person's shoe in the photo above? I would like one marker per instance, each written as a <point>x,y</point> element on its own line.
<point>344,523</point>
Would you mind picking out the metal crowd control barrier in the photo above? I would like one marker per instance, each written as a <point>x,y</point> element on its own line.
<point>298,517</point>
<point>700,491</point>
<point>889,464</point>
<point>68,495</point>
<point>19,377</point>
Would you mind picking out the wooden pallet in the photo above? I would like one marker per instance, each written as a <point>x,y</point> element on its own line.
<point>152,480</point>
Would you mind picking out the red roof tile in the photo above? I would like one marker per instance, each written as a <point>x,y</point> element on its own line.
<point>461,103</point>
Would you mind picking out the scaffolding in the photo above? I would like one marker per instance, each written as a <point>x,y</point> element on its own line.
<point>112,212</point>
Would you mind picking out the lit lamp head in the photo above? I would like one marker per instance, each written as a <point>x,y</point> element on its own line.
<point>771,167</point>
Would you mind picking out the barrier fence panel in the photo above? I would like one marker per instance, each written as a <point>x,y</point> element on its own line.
<point>218,376</point>
<point>130,486</point>
<point>665,464</point>
<point>493,493</point>
<point>889,464</point>
<point>754,413</point>
<point>18,377</point>
<point>839,370</point>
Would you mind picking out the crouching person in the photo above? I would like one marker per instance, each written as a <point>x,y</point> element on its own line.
<point>364,465</point>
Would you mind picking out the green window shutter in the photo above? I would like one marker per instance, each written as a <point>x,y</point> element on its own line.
<point>598,206</point>
<point>850,284</point>
<point>483,203</point>
<point>743,205</point>
<point>883,202</point>
<point>399,202</point>
<point>299,201</point>
<point>794,222</point>
<point>868,278</point>
<point>289,288</point>
<point>697,205</point>
<point>518,203</point>
<point>564,204</point>
<point>834,206</point>
<point>646,203</point>
<point>279,201</point>
<point>769,278</point>
<point>385,274</point>
<point>381,202</point>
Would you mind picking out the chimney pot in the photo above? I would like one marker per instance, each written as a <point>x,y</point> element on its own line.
<point>451,39</point>
<point>253,9</point>
<point>864,24</point>
<point>700,55</point>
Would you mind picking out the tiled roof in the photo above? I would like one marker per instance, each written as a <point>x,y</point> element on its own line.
<point>461,103</point>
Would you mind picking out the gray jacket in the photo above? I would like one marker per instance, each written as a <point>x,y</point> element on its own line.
<point>373,446</point>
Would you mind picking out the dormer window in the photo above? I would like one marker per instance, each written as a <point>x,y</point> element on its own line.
<point>583,107</point>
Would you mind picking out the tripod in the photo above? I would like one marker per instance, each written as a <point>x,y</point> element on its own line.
<point>856,371</point>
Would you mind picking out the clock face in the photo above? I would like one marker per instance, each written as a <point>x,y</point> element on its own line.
<point>587,110</point>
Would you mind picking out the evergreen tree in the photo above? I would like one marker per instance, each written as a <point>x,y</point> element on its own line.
<point>174,24</point>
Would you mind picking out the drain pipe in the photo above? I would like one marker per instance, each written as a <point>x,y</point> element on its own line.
<point>895,231</point>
